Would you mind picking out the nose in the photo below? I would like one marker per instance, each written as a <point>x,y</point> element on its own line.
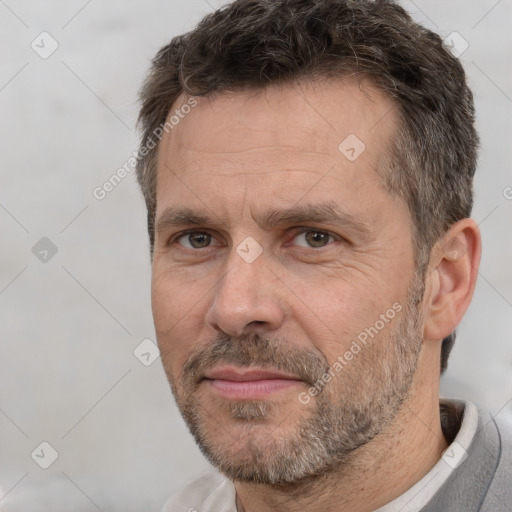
<point>246,298</point>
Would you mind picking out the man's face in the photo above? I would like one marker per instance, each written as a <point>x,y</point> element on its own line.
<point>279,253</point>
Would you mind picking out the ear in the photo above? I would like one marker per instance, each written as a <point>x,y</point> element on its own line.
<point>451,278</point>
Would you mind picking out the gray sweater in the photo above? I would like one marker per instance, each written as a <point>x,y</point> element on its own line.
<point>483,482</point>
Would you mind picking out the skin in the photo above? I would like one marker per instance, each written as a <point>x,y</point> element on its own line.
<point>233,158</point>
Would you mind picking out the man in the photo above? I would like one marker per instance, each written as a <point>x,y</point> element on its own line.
<point>307,168</point>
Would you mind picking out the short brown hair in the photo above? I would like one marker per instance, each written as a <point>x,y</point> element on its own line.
<point>251,44</point>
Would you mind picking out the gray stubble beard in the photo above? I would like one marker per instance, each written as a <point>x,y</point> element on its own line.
<point>355,407</point>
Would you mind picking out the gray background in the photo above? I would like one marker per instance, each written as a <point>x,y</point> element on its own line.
<point>70,324</point>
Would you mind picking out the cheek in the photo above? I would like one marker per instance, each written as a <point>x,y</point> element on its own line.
<point>333,315</point>
<point>174,296</point>
<point>176,309</point>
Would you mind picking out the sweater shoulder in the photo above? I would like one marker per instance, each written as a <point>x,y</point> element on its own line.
<point>499,493</point>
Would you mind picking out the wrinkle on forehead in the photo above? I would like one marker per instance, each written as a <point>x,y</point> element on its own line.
<point>281,115</point>
<point>273,144</point>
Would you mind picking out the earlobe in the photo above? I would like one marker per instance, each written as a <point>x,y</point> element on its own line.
<point>452,278</point>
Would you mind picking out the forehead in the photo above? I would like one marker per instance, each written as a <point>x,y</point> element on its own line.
<point>314,115</point>
<point>309,127</point>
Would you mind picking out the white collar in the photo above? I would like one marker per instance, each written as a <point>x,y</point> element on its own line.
<point>424,490</point>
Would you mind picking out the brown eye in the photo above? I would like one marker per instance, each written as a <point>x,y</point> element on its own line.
<point>314,238</point>
<point>195,240</point>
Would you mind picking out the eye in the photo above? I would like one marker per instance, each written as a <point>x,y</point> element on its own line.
<point>313,238</point>
<point>195,240</point>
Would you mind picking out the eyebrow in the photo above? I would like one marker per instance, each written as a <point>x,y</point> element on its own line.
<point>327,212</point>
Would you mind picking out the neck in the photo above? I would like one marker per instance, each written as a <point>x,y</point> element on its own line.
<point>375,474</point>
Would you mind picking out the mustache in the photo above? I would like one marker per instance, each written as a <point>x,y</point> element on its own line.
<point>253,350</point>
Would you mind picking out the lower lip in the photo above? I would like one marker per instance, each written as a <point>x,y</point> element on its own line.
<point>250,389</point>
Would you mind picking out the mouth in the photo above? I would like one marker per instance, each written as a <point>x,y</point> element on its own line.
<point>236,383</point>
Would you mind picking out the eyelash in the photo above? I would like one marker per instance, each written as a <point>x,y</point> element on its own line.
<point>298,232</point>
